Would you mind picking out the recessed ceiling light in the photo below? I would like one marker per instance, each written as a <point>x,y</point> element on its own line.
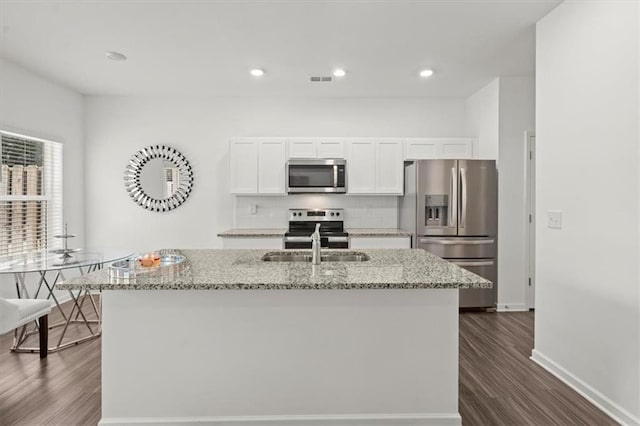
<point>116,56</point>
<point>257,72</point>
<point>426,73</point>
<point>339,73</point>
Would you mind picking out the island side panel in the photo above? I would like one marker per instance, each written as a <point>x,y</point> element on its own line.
<point>334,356</point>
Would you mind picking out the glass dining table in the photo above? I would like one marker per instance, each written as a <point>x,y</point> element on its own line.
<point>83,308</point>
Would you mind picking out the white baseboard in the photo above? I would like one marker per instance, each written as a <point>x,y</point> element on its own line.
<point>512,307</point>
<point>609,407</point>
<point>448,419</point>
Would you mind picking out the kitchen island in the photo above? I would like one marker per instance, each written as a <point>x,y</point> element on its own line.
<point>232,339</point>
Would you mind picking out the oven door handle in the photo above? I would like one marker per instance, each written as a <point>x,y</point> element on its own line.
<point>298,239</point>
<point>472,263</point>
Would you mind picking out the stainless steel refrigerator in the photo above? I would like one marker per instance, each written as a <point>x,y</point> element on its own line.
<point>451,208</point>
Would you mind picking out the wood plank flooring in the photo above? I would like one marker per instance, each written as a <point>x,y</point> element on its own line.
<point>499,385</point>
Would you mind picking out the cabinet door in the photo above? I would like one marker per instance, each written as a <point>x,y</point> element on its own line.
<point>302,148</point>
<point>243,166</point>
<point>459,148</point>
<point>361,167</point>
<point>271,166</point>
<point>422,149</point>
<point>330,148</point>
<point>389,167</point>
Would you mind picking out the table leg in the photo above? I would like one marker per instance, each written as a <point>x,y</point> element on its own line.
<point>44,336</point>
<point>42,326</point>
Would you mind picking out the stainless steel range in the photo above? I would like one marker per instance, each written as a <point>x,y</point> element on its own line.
<point>302,223</point>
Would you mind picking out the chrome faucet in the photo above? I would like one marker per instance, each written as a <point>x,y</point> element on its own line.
<point>315,246</point>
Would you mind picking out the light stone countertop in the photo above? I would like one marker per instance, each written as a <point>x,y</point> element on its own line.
<point>377,232</point>
<point>244,270</point>
<point>252,233</point>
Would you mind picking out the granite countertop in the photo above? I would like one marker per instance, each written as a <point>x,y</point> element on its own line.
<point>244,270</point>
<point>378,232</point>
<point>252,233</point>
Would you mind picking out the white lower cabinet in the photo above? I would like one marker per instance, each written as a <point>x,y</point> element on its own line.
<point>360,243</point>
<point>265,243</point>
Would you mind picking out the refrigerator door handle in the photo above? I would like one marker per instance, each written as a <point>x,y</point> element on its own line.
<point>453,190</point>
<point>455,242</point>
<point>463,196</point>
<point>472,263</point>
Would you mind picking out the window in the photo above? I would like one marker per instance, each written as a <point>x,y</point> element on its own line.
<point>30,195</point>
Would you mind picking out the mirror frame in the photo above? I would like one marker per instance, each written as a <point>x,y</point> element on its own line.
<point>134,169</point>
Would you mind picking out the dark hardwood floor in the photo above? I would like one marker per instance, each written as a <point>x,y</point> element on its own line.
<point>499,385</point>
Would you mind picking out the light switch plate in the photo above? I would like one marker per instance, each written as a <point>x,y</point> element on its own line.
<point>253,208</point>
<point>554,219</point>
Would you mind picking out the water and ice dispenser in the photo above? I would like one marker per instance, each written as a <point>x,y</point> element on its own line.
<point>436,210</point>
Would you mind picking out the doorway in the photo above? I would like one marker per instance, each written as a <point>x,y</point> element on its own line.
<point>530,189</point>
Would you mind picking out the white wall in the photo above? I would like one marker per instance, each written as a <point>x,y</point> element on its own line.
<point>201,128</point>
<point>34,106</point>
<point>587,301</point>
<point>359,211</point>
<point>498,115</point>
<point>482,109</point>
<point>517,104</point>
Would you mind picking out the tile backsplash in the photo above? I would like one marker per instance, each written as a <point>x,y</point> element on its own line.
<point>359,211</point>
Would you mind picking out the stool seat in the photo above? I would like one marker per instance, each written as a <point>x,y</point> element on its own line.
<point>16,313</point>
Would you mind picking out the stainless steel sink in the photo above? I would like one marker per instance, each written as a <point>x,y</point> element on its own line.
<point>279,257</point>
<point>351,257</point>
<point>283,256</point>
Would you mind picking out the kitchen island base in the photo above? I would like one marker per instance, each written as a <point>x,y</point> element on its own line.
<point>280,357</point>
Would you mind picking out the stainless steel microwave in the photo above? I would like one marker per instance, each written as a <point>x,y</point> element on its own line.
<point>321,175</point>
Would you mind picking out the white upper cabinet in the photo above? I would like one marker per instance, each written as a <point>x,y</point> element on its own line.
<point>361,166</point>
<point>330,148</point>
<point>302,148</point>
<point>457,148</point>
<point>429,148</point>
<point>316,148</point>
<point>257,165</point>
<point>272,154</point>
<point>389,166</point>
<point>243,165</point>
<point>375,166</point>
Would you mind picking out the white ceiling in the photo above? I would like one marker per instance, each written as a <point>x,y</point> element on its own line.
<point>207,47</point>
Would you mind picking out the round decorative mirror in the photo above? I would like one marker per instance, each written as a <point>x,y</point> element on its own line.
<point>158,178</point>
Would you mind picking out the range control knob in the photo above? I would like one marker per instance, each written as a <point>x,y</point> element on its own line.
<point>332,214</point>
<point>338,214</point>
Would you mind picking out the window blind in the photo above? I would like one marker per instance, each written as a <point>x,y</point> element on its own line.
<point>30,195</point>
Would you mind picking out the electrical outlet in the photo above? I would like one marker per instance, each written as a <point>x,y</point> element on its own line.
<point>554,219</point>
<point>253,208</point>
